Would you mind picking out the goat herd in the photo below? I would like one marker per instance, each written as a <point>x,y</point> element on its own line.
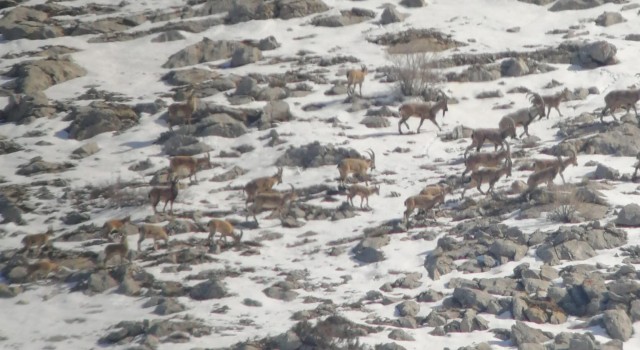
<point>484,168</point>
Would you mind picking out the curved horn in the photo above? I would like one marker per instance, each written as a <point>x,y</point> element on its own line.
<point>293,189</point>
<point>440,92</point>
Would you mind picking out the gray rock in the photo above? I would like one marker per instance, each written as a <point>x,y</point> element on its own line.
<point>24,22</point>
<point>472,298</point>
<point>374,242</point>
<point>75,217</point>
<point>618,324</point>
<point>572,250</point>
<point>272,94</point>
<point>634,311</point>
<point>400,334</point>
<point>268,43</point>
<point>18,274</point>
<point>596,54</point>
<point>38,75</point>
<point>211,289</point>
<point>605,172</point>
<point>85,150</point>
<point>247,10</point>
<point>564,5</point>
<point>629,215</point>
<point>299,8</point>
<point>244,55</point>
<point>184,145</point>
<point>429,296</point>
<point>368,255</point>
<point>438,265</point>
<point>170,35</point>
<point>522,334</point>
<point>9,211</point>
<point>38,166</point>
<point>408,308</point>
<point>509,249</point>
<point>315,155</point>
<point>288,341</point>
<point>375,122</point>
<point>230,174</point>
<point>100,281</point>
<point>168,306</point>
<point>189,76</point>
<point>279,293</point>
<point>609,18</point>
<point>275,111</point>
<point>220,125</point>
<point>514,67</point>
<point>7,292</point>
<point>25,108</point>
<point>204,51</point>
<point>413,3</point>
<point>531,346</point>
<point>129,287</point>
<point>391,15</point>
<point>100,117</point>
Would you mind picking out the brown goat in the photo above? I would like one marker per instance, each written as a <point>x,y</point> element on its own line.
<point>191,164</point>
<point>423,110</point>
<point>225,228</point>
<point>620,98</point>
<point>37,240</point>
<point>114,225</point>
<point>525,116</point>
<point>562,164</point>
<point>271,200</point>
<point>117,249</point>
<point>157,233</point>
<point>166,194</point>
<point>261,184</point>
<point>553,101</point>
<point>356,77</point>
<point>423,202</point>
<point>363,192</point>
<point>357,166</point>
<point>487,160</point>
<point>183,111</point>
<point>43,266</point>
<point>488,175</point>
<point>496,136</point>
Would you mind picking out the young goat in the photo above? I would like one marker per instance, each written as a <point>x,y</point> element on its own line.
<point>166,194</point>
<point>191,164</point>
<point>541,164</point>
<point>225,229</point>
<point>37,240</point>
<point>524,116</point>
<point>271,200</point>
<point>363,192</point>
<point>423,110</point>
<point>487,160</point>
<point>117,249</point>
<point>183,111</point>
<point>357,166</point>
<point>423,202</point>
<point>543,176</point>
<point>553,101</point>
<point>114,225</point>
<point>43,266</point>
<point>157,233</point>
<point>496,136</point>
<point>488,175</point>
<point>261,184</point>
<point>356,77</point>
<point>620,98</point>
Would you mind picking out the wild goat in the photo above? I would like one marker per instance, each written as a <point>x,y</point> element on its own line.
<point>496,136</point>
<point>356,77</point>
<point>488,175</point>
<point>37,240</point>
<point>541,164</point>
<point>191,164</point>
<point>225,228</point>
<point>363,192</point>
<point>117,249</point>
<point>183,111</point>
<point>487,160</point>
<point>357,166</point>
<point>166,194</point>
<point>545,175</point>
<point>271,200</point>
<point>44,267</point>
<point>261,184</point>
<point>423,110</point>
<point>423,202</point>
<point>114,225</point>
<point>157,233</point>
<point>524,116</point>
<point>437,189</point>
<point>620,98</point>
<point>553,101</point>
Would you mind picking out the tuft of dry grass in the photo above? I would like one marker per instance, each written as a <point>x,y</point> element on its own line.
<point>415,73</point>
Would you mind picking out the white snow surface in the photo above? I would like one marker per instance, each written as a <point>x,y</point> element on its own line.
<point>134,68</point>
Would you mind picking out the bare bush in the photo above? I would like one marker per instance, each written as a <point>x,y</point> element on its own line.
<point>416,73</point>
<point>565,213</point>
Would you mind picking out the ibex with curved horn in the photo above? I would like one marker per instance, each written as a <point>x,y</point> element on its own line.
<point>356,77</point>
<point>423,110</point>
<point>525,116</point>
<point>261,184</point>
<point>357,166</point>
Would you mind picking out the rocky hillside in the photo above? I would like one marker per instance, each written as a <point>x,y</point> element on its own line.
<point>314,97</point>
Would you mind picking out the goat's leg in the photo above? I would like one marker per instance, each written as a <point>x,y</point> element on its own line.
<point>360,89</point>
<point>562,177</point>
<point>635,110</point>
<point>434,122</point>
<point>559,113</point>
<point>419,125</point>
<point>479,185</point>
<point>402,120</point>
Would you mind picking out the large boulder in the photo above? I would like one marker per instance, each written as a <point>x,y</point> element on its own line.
<point>564,5</point>
<point>247,10</point>
<point>244,55</point>
<point>28,23</point>
<point>220,125</point>
<point>211,289</point>
<point>315,155</point>
<point>629,215</point>
<point>99,117</point>
<point>618,324</point>
<point>609,18</point>
<point>596,54</point>
<point>25,108</point>
<point>38,75</point>
<point>204,51</point>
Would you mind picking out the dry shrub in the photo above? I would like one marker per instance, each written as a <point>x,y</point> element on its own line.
<point>566,207</point>
<point>416,73</point>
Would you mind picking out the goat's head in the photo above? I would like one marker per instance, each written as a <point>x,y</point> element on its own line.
<point>278,176</point>
<point>372,159</point>
<point>441,96</point>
